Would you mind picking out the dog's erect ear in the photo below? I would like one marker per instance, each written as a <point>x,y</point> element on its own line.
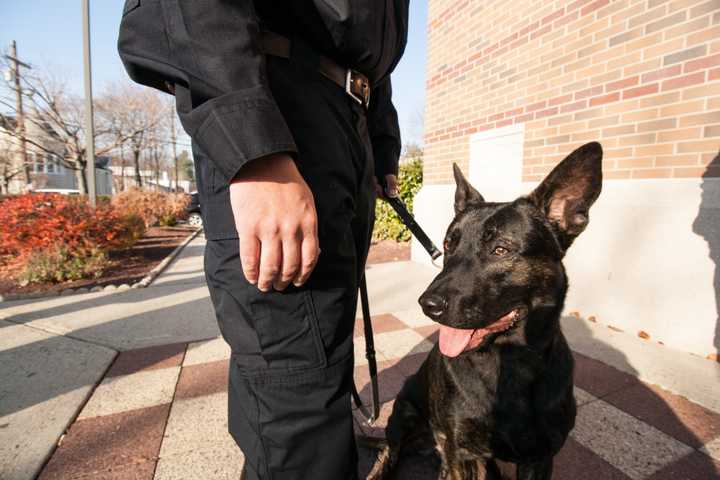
<point>465,194</point>
<point>569,190</point>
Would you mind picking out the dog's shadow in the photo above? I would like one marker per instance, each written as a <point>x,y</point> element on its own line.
<point>618,388</point>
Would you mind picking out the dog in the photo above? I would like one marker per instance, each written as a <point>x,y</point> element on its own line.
<point>496,392</point>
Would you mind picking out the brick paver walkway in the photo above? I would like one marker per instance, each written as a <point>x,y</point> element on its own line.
<point>160,413</point>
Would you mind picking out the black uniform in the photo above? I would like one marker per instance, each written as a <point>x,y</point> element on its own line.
<point>292,354</point>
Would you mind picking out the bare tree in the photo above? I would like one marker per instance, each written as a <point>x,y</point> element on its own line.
<point>11,165</point>
<point>136,118</point>
<point>53,122</point>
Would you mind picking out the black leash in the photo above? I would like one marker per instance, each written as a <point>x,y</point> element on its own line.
<point>425,241</point>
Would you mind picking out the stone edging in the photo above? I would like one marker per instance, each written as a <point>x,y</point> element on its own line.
<point>146,280</point>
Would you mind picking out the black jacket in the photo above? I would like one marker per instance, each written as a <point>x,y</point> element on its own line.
<point>207,50</point>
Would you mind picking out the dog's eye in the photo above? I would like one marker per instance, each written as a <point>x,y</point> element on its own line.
<point>500,251</point>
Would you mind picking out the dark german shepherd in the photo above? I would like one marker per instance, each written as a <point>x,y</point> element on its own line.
<point>499,383</point>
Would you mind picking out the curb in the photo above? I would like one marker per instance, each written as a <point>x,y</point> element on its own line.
<point>146,280</point>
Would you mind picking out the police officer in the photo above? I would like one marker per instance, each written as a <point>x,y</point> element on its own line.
<point>288,104</point>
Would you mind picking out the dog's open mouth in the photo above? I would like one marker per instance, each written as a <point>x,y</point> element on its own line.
<point>454,341</point>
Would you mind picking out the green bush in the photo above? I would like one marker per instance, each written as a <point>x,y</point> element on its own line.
<point>60,264</point>
<point>387,224</point>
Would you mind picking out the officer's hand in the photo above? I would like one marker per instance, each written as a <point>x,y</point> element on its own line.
<point>392,186</point>
<point>276,222</point>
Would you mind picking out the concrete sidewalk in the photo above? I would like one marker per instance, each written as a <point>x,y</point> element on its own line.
<point>159,410</point>
<point>53,352</point>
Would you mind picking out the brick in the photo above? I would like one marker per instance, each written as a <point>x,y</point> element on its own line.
<point>603,122</point>
<point>655,125</point>
<point>614,6</point>
<point>714,74</point>
<point>685,55</point>
<point>623,62</point>
<point>682,108</point>
<point>589,92</point>
<point>621,84</point>
<point>691,172</point>
<point>638,139</point>
<point>702,63</point>
<point>558,139</point>
<point>644,41</point>
<point>665,149</point>
<point>703,36</point>
<point>652,173</point>
<point>701,119</point>
<point>572,127</point>
<point>685,28</point>
<point>560,120</point>
<point>625,37</point>
<point>587,114</point>
<point>574,106</point>
<point>662,73</point>
<point>647,16</point>
<point>642,67</point>
<point>712,131</point>
<point>657,100</point>
<point>664,48</point>
<point>615,175</point>
<point>546,113</point>
<point>622,107</point>
<point>714,103</point>
<point>641,91</point>
<point>585,136</point>
<point>613,97</point>
<point>685,81</point>
<point>636,162</point>
<point>617,153</point>
<point>675,160</point>
<point>594,48</point>
<point>622,130</point>
<point>700,146</point>
<point>681,134</point>
<point>705,90</point>
<point>606,77</point>
<point>704,8</point>
<point>665,22</point>
<point>594,6</point>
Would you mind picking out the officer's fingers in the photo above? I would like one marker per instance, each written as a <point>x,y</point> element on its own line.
<point>378,188</point>
<point>310,252</point>
<point>250,257</point>
<point>392,185</point>
<point>291,246</point>
<point>270,262</point>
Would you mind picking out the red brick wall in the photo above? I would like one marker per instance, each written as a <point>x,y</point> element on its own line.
<point>641,76</point>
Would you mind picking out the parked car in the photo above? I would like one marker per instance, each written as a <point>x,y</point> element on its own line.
<point>193,209</point>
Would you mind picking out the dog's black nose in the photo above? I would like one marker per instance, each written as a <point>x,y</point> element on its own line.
<point>433,305</point>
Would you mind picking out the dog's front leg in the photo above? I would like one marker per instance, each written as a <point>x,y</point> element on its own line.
<point>541,470</point>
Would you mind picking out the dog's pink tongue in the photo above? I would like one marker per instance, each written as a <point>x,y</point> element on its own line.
<point>453,341</point>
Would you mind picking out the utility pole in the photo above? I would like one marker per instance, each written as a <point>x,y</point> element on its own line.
<point>89,127</point>
<point>172,138</point>
<point>20,117</point>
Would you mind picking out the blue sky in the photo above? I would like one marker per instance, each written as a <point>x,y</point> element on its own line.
<point>49,36</point>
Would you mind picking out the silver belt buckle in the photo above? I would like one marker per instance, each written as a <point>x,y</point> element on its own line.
<point>364,101</point>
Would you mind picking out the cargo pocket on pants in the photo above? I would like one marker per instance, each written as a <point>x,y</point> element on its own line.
<point>287,328</point>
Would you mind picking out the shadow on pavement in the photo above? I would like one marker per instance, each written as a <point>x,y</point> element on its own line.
<point>707,225</point>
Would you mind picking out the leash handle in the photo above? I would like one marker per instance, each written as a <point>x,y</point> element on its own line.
<point>413,226</point>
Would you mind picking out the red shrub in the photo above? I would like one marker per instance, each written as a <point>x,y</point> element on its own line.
<point>152,206</point>
<point>34,222</point>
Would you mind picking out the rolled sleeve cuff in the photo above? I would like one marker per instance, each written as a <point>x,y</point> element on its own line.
<point>239,127</point>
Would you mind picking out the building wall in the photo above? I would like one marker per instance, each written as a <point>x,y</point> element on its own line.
<point>640,76</point>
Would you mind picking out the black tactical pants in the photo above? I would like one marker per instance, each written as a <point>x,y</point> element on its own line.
<point>292,353</point>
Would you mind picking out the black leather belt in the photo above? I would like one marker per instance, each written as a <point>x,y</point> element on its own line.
<point>353,82</point>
